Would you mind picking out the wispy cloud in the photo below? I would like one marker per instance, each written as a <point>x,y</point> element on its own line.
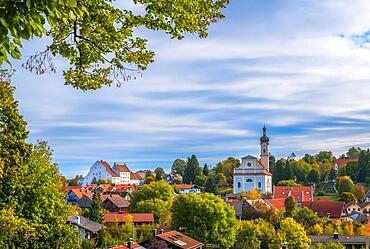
<point>291,65</point>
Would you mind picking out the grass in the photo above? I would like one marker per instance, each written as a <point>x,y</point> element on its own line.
<point>330,197</point>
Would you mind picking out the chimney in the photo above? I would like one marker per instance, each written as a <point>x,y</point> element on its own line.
<point>154,232</point>
<point>335,235</point>
<point>130,243</point>
<point>162,231</point>
<point>78,220</point>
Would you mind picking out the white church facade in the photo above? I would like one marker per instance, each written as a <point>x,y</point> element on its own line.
<point>254,173</point>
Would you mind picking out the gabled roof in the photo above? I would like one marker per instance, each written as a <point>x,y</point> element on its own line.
<point>80,193</point>
<point>108,168</point>
<point>343,161</point>
<point>297,192</point>
<point>121,167</point>
<point>348,204</point>
<point>249,157</point>
<point>238,207</point>
<point>362,205</point>
<point>185,186</point>
<point>179,240</point>
<point>135,176</point>
<point>137,217</point>
<point>85,223</point>
<point>119,202</point>
<point>276,203</point>
<point>134,246</point>
<point>325,207</point>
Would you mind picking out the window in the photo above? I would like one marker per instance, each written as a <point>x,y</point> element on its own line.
<point>249,180</point>
<point>239,185</point>
<point>249,164</point>
<point>259,185</point>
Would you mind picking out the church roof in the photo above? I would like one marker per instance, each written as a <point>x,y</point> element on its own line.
<point>249,157</point>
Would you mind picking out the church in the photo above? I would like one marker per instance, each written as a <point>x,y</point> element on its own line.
<point>254,173</point>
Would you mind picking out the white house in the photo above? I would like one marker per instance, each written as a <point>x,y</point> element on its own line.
<point>188,188</point>
<point>118,174</point>
<point>87,229</point>
<point>254,173</point>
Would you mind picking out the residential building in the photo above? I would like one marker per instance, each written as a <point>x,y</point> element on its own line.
<point>172,178</point>
<point>118,174</point>
<point>188,188</point>
<point>137,218</point>
<point>365,207</point>
<point>116,204</point>
<point>133,245</point>
<point>299,193</point>
<point>254,173</point>
<point>87,229</point>
<point>276,203</point>
<point>327,208</point>
<point>349,241</point>
<point>177,240</point>
<point>338,163</point>
<point>74,195</point>
<point>352,206</point>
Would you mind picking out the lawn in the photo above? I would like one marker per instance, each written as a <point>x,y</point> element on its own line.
<point>330,197</point>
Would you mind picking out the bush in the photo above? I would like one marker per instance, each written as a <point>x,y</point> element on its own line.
<point>320,193</point>
<point>87,244</point>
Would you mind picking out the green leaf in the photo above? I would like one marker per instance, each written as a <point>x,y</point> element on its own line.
<point>72,3</point>
<point>3,22</point>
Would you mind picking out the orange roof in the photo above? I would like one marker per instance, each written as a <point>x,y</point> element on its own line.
<point>343,161</point>
<point>135,245</point>
<point>106,187</point>
<point>299,193</point>
<point>135,176</point>
<point>180,240</point>
<point>108,168</point>
<point>122,187</point>
<point>137,217</point>
<point>184,186</point>
<point>276,203</point>
<point>121,167</point>
<point>72,187</point>
<point>80,193</point>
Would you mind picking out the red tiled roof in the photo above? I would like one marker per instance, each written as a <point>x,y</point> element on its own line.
<point>73,187</point>
<point>276,203</point>
<point>81,192</point>
<point>343,161</point>
<point>108,168</point>
<point>325,207</point>
<point>122,167</point>
<point>135,176</point>
<point>180,240</point>
<point>106,187</point>
<point>122,187</point>
<point>135,245</point>
<point>184,186</point>
<point>137,217</point>
<point>297,192</point>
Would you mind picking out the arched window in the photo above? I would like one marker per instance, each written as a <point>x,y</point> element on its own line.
<point>249,164</point>
<point>249,180</point>
<point>259,184</point>
<point>239,184</point>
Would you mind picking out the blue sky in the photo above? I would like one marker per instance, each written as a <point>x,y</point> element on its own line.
<point>291,65</point>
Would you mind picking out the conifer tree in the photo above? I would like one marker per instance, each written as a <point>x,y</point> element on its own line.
<point>96,212</point>
<point>205,170</point>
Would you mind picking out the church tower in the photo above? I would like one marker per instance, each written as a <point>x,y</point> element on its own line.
<point>265,150</point>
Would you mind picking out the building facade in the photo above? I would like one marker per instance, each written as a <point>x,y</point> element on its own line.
<point>254,173</point>
<point>118,174</point>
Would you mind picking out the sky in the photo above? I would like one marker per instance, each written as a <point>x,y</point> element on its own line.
<point>300,67</point>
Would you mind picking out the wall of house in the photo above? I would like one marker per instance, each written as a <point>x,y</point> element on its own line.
<point>98,171</point>
<point>249,182</point>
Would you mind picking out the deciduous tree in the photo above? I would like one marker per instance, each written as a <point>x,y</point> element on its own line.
<point>96,37</point>
<point>207,218</point>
